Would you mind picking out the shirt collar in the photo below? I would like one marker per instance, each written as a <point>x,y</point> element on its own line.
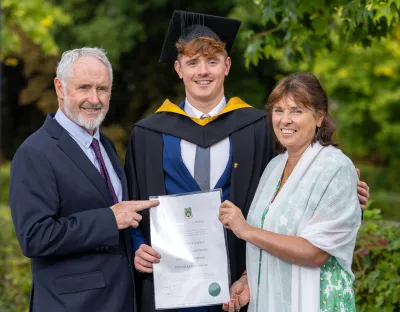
<point>194,112</point>
<point>77,132</point>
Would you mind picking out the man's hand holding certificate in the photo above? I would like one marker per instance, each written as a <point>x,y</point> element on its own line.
<point>193,270</point>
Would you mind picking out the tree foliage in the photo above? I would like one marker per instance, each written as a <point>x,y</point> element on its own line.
<point>115,25</point>
<point>15,275</point>
<point>353,48</point>
<point>35,20</point>
<point>365,97</point>
<point>132,32</point>
<point>296,30</point>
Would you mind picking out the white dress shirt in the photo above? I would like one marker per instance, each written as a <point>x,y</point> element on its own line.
<point>219,152</point>
<point>84,139</point>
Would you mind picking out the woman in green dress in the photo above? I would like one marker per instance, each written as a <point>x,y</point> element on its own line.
<point>302,224</point>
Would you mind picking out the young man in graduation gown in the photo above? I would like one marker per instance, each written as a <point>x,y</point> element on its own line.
<point>205,142</point>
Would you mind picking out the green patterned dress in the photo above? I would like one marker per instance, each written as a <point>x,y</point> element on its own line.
<point>336,288</point>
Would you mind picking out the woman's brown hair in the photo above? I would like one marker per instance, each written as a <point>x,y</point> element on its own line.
<point>306,90</point>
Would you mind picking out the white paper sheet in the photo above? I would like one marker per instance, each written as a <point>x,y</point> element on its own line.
<point>193,270</point>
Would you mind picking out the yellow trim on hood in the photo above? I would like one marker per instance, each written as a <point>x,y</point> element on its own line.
<point>233,104</point>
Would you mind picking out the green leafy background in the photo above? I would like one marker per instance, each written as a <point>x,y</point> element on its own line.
<point>352,46</point>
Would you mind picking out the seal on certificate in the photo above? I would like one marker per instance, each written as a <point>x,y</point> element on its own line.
<point>188,213</point>
<point>214,289</point>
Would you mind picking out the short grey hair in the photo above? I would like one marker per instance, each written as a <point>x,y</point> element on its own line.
<point>68,58</point>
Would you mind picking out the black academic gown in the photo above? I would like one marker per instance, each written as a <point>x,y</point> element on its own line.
<point>252,149</point>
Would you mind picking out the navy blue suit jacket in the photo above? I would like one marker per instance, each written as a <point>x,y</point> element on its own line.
<point>60,208</point>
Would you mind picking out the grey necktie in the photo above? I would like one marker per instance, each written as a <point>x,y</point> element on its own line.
<point>202,165</point>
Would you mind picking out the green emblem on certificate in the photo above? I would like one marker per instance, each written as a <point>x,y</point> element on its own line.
<point>214,289</point>
<point>188,213</point>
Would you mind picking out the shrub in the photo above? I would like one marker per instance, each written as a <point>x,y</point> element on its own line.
<point>376,264</point>
<point>15,273</point>
<point>4,182</point>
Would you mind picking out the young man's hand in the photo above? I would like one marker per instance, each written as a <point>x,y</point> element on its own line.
<point>145,256</point>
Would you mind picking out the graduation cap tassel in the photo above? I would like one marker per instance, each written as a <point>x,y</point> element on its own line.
<point>198,22</point>
<point>193,22</point>
<point>203,22</point>
<point>183,20</point>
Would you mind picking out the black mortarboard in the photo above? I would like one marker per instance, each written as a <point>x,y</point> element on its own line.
<point>187,26</point>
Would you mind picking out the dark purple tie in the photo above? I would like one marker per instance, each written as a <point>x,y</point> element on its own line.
<point>103,169</point>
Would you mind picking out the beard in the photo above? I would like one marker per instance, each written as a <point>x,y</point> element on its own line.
<point>88,123</point>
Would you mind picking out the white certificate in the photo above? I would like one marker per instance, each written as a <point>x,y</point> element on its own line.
<point>193,270</point>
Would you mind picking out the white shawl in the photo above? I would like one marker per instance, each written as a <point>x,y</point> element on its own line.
<point>319,203</point>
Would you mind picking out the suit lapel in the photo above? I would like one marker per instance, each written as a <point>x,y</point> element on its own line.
<point>73,151</point>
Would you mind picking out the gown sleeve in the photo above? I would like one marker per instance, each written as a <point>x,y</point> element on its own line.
<point>136,234</point>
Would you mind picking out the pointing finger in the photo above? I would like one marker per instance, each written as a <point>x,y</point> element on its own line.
<point>140,205</point>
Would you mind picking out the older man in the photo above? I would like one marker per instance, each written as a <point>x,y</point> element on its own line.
<point>66,197</point>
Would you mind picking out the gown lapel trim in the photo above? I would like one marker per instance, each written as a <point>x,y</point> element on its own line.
<point>233,104</point>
